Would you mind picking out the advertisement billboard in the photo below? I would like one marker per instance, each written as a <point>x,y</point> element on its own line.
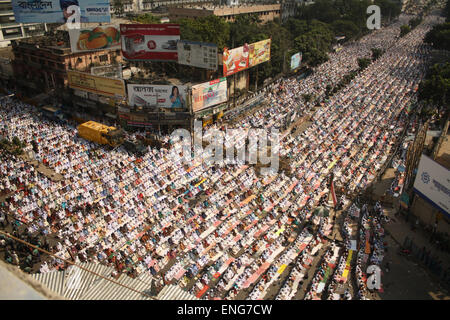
<point>296,59</point>
<point>58,11</point>
<point>208,94</point>
<point>150,41</point>
<point>95,38</point>
<point>259,52</point>
<point>162,96</point>
<point>109,71</point>
<point>197,54</point>
<point>235,60</point>
<point>433,183</point>
<point>95,84</point>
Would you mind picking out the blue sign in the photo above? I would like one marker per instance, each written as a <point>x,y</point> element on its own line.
<point>295,60</point>
<point>59,11</point>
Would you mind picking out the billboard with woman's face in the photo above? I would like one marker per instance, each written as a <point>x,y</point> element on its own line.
<point>161,96</point>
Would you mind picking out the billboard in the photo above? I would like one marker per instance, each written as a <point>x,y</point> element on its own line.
<point>95,38</point>
<point>433,183</point>
<point>162,96</point>
<point>150,41</point>
<point>95,84</point>
<point>235,60</point>
<point>58,11</point>
<point>109,71</point>
<point>296,59</point>
<point>259,52</point>
<point>208,94</point>
<point>197,54</point>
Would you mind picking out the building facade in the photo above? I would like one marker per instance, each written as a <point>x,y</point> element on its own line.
<point>265,12</point>
<point>12,30</point>
<point>41,65</point>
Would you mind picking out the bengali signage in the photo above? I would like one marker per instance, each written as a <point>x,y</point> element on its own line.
<point>259,52</point>
<point>95,84</point>
<point>296,60</point>
<point>59,11</point>
<point>433,183</point>
<point>208,94</point>
<point>163,96</point>
<point>95,38</point>
<point>197,54</point>
<point>150,41</point>
<point>235,60</point>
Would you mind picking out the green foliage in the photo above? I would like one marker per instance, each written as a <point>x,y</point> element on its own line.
<point>211,29</point>
<point>147,18</point>
<point>363,63</point>
<point>414,22</point>
<point>376,53</point>
<point>439,36</point>
<point>118,7</point>
<point>436,86</point>
<point>404,30</point>
<point>346,28</point>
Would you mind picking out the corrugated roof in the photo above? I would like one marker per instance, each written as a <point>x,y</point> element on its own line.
<point>53,280</point>
<point>173,292</point>
<point>78,284</point>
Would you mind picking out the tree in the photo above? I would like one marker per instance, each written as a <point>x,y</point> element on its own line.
<point>346,28</point>
<point>376,53</point>
<point>439,36</point>
<point>404,29</point>
<point>436,86</point>
<point>210,29</point>
<point>118,7</point>
<point>147,18</point>
<point>363,63</point>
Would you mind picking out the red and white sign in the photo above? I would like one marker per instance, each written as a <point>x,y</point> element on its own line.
<point>150,41</point>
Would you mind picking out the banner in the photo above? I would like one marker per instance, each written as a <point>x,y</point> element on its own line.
<point>296,60</point>
<point>58,11</point>
<point>208,94</point>
<point>94,84</point>
<point>235,60</point>
<point>109,71</point>
<point>150,41</point>
<point>433,183</point>
<point>162,96</point>
<point>197,54</point>
<point>94,38</point>
<point>259,52</point>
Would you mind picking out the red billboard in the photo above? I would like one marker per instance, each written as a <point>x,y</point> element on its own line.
<point>150,41</point>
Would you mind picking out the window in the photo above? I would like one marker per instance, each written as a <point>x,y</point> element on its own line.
<point>104,58</point>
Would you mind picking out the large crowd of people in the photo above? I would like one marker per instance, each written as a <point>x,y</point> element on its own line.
<point>220,231</point>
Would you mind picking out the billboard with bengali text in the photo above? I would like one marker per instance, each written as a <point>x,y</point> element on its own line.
<point>235,60</point>
<point>259,52</point>
<point>58,11</point>
<point>197,54</point>
<point>150,41</point>
<point>296,59</point>
<point>162,96</point>
<point>208,94</point>
<point>95,84</point>
<point>95,38</point>
<point>433,183</point>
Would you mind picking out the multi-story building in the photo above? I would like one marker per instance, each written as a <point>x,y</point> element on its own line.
<point>265,12</point>
<point>12,30</point>
<point>41,63</point>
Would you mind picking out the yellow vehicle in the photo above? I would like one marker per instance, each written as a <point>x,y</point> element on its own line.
<point>100,133</point>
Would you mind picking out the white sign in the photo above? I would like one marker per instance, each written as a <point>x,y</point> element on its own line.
<point>433,183</point>
<point>162,96</point>
<point>197,54</point>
